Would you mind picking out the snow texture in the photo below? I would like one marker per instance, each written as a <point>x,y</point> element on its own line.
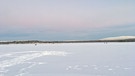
<point>68,59</point>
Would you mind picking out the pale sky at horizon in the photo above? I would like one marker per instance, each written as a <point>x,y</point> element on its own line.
<point>66,19</point>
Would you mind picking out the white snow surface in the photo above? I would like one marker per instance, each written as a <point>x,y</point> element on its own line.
<point>68,59</point>
<point>119,38</point>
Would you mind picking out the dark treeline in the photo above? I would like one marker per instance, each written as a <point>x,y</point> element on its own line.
<point>82,41</point>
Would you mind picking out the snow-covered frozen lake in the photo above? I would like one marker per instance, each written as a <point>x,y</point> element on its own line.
<point>68,59</point>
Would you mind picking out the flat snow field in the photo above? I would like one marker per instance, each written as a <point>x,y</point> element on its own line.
<point>68,59</point>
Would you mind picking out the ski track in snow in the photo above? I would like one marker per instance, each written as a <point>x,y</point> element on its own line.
<point>96,67</point>
<point>24,57</point>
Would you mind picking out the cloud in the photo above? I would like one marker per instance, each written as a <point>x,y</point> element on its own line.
<point>76,19</point>
<point>67,15</point>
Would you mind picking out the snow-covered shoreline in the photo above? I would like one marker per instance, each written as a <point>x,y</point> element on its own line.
<point>77,41</point>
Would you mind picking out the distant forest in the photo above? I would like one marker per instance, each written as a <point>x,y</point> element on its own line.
<point>77,41</point>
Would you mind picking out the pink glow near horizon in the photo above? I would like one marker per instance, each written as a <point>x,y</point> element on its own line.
<point>67,15</point>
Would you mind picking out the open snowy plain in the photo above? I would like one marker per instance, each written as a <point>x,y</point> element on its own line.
<point>68,59</point>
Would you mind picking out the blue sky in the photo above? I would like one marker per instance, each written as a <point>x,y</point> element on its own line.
<point>66,19</point>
